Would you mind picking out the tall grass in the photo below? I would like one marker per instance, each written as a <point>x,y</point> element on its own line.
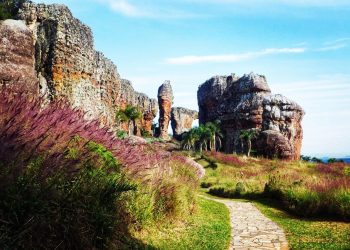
<point>307,189</point>
<point>68,183</point>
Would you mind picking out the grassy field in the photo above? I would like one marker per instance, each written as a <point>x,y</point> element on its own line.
<point>303,188</point>
<point>208,228</point>
<point>293,194</point>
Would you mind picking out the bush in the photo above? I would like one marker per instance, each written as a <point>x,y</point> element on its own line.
<point>9,8</point>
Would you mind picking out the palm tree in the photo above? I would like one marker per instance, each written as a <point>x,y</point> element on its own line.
<point>204,136</point>
<point>130,114</point>
<point>216,134</point>
<point>248,135</point>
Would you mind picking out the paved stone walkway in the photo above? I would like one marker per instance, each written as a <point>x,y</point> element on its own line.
<point>251,229</point>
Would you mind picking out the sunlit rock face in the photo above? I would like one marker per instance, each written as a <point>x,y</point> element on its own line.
<point>55,55</point>
<point>246,102</point>
<point>182,120</point>
<point>165,101</point>
<point>17,57</point>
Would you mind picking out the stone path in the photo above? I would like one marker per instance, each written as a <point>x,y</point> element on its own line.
<point>251,229</point>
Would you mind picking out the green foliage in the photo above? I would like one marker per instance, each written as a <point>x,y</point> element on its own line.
<point>208,228</point>
<point>129,114</point>
<point>203,137</point>
<point>9,8</point>
<point>121,134</point>
<point>247,136</point>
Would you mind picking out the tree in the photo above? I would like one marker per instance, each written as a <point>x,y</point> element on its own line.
<point>9,8</point>
<point>130,114</point>
<point>204,135</point>
<point>247,136</point>
<point>216,134</point>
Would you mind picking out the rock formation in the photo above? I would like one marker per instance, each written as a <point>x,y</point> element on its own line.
<point>149,107</point>
<point>182,121</point>
<point>17,57</point>
<point>247,103</point>
<point>165,101</point>
<point>56,55</point>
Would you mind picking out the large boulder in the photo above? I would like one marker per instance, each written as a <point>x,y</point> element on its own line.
<point>182,121</point>
<point>165,101</point>
<point>247,103</point>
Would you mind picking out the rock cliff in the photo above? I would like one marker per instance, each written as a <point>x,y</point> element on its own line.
<point>17,57</point>
<point>165,101</point>
<point>57,54</point>
<point>182,121</point>
<point>247,103</point>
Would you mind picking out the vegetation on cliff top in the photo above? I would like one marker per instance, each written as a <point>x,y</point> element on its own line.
<point>9,8</point>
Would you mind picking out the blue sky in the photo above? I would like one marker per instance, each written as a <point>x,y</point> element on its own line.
<point>303,48</point>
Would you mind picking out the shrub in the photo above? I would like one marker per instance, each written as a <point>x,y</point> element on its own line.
<point>9,8</point>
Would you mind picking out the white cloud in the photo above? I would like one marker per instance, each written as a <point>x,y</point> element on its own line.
<point>334,45</point>
<point>190,59</point>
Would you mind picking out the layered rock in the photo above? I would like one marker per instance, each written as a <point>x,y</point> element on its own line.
<point>17,57</point>
<point>182,120</point>
<point>165,101</point>
<point>56,55</point>
<point>149,107</point>
<point>247,103</point>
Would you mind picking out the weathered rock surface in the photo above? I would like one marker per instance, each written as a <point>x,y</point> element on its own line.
<point>17,57</point>
<point>149,107</point>
<point>247,103</point>
<point>165,100</point>
<point>56,54</point>
<point>182,121</point>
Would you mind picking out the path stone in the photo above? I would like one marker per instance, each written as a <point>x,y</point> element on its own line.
<point>251,229</point>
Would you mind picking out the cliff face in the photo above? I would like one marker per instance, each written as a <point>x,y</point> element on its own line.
<point>66,65</point>
<point>247,103</point>
<point>165,101</point>
<point>17,57</point>
<point>182,121</point>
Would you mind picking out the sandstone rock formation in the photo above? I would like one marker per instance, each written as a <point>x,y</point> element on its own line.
<point>56,55</point>
<point>149,107</point>
<point>247,103</point>
<point>182,121</point>
<point>165,101</point>
<point>17,57</point>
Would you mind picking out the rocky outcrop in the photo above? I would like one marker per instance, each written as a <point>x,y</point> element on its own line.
<point>247,103</point>
<point>149,108</point>
<point>182,121</point>
<point>17,57</point>
<point>57,55</point>
<point>165,101</point>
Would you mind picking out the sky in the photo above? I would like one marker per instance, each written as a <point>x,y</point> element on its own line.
<point>302,47</point>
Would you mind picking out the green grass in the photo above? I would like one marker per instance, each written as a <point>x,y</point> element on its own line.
<point>208,228</point>
<point>307,233</point>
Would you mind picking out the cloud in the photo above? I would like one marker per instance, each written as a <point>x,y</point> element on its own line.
<point>232,57</point>
<point>334,45</point>
<point>147,9</point>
